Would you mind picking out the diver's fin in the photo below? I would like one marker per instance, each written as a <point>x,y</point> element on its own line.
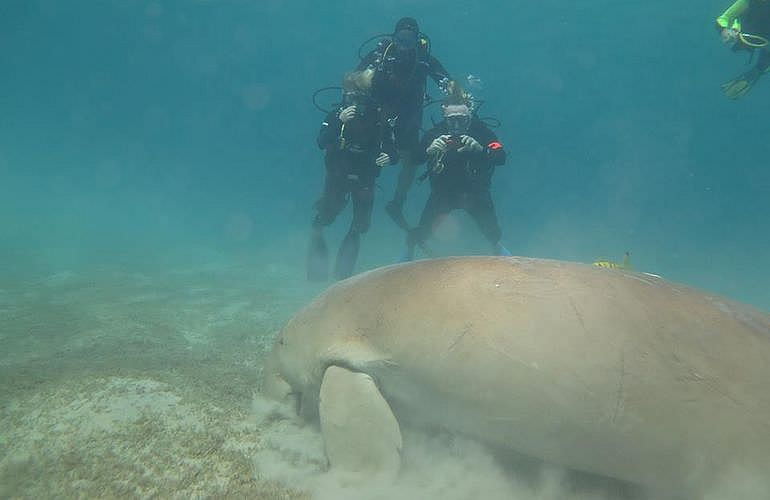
<point>395,211</point>
<point>361,435</point>
<point>317,257</point>
<point>740,86</point>
<point>347,255</point>
<point>412,241</point>
<point>501,250</point>
<point>627,261</point>
<point>407,255</point>
<point>426,250</point>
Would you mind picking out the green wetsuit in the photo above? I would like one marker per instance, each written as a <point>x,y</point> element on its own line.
<point>748,17</point>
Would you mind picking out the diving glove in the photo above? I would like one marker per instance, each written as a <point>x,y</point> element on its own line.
<point>740,86</point>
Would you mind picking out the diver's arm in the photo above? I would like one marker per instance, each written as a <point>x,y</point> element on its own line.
<point>728,18</point>
<point>496,153</point>
<point>438,73</point>
<point>330,130</point>
<point>493,149</point>
<point>763,63</point>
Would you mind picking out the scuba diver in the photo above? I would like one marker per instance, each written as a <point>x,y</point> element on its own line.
<point>746,25</point>
<point>461,153</point>
<point>358,143</point>
<point>402,62</point>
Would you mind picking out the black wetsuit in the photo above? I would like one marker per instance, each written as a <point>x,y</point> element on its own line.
<point>463,182</point>
<point>756,21</point>
<point>399,86</point>
<point>350,165</point>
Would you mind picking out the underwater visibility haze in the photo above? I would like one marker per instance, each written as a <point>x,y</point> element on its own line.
<point>158,179</point>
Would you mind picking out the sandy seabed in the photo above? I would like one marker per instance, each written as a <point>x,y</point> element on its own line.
<point>120,384</point>
<point>117,384</point>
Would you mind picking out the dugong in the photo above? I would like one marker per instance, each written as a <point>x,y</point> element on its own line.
<point>606,371</point>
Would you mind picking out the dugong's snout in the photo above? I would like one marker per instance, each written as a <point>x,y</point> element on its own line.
<point>274,385</point>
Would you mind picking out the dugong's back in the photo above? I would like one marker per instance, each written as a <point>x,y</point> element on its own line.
<point>613,372</point>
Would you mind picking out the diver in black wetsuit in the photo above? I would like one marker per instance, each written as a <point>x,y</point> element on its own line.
<point>358,143</point>
<point>461,154</point>
<point>402,64</point>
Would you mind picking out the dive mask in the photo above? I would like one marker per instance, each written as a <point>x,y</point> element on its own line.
<point>458,124</point>
<point>356,98</point>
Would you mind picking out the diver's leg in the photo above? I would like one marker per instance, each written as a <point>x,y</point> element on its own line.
<point>763,63</point>
<point>436,207</point>
<point>330,204</point>
<point>363,200</point>
<point>408,142</point>
<point>481,207</point>
<point>361,435</point>
<point>405,180</point>
<point>317,254</point>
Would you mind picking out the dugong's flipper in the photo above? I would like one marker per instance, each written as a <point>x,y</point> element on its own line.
<point>360,432</point>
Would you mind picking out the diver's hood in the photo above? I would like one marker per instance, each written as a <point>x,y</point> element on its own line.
<point>405,39</point>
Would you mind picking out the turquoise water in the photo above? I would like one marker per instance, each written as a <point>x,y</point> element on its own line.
<point>143,140</point>
<point>134,129</point>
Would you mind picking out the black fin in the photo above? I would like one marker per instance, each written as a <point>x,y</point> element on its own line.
<point>347,255</point>
<point>317,257</point>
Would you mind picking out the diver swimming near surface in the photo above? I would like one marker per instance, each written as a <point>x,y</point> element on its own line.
<point>461,153</point>
<point>746,26</point>
<point>358,143</point>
